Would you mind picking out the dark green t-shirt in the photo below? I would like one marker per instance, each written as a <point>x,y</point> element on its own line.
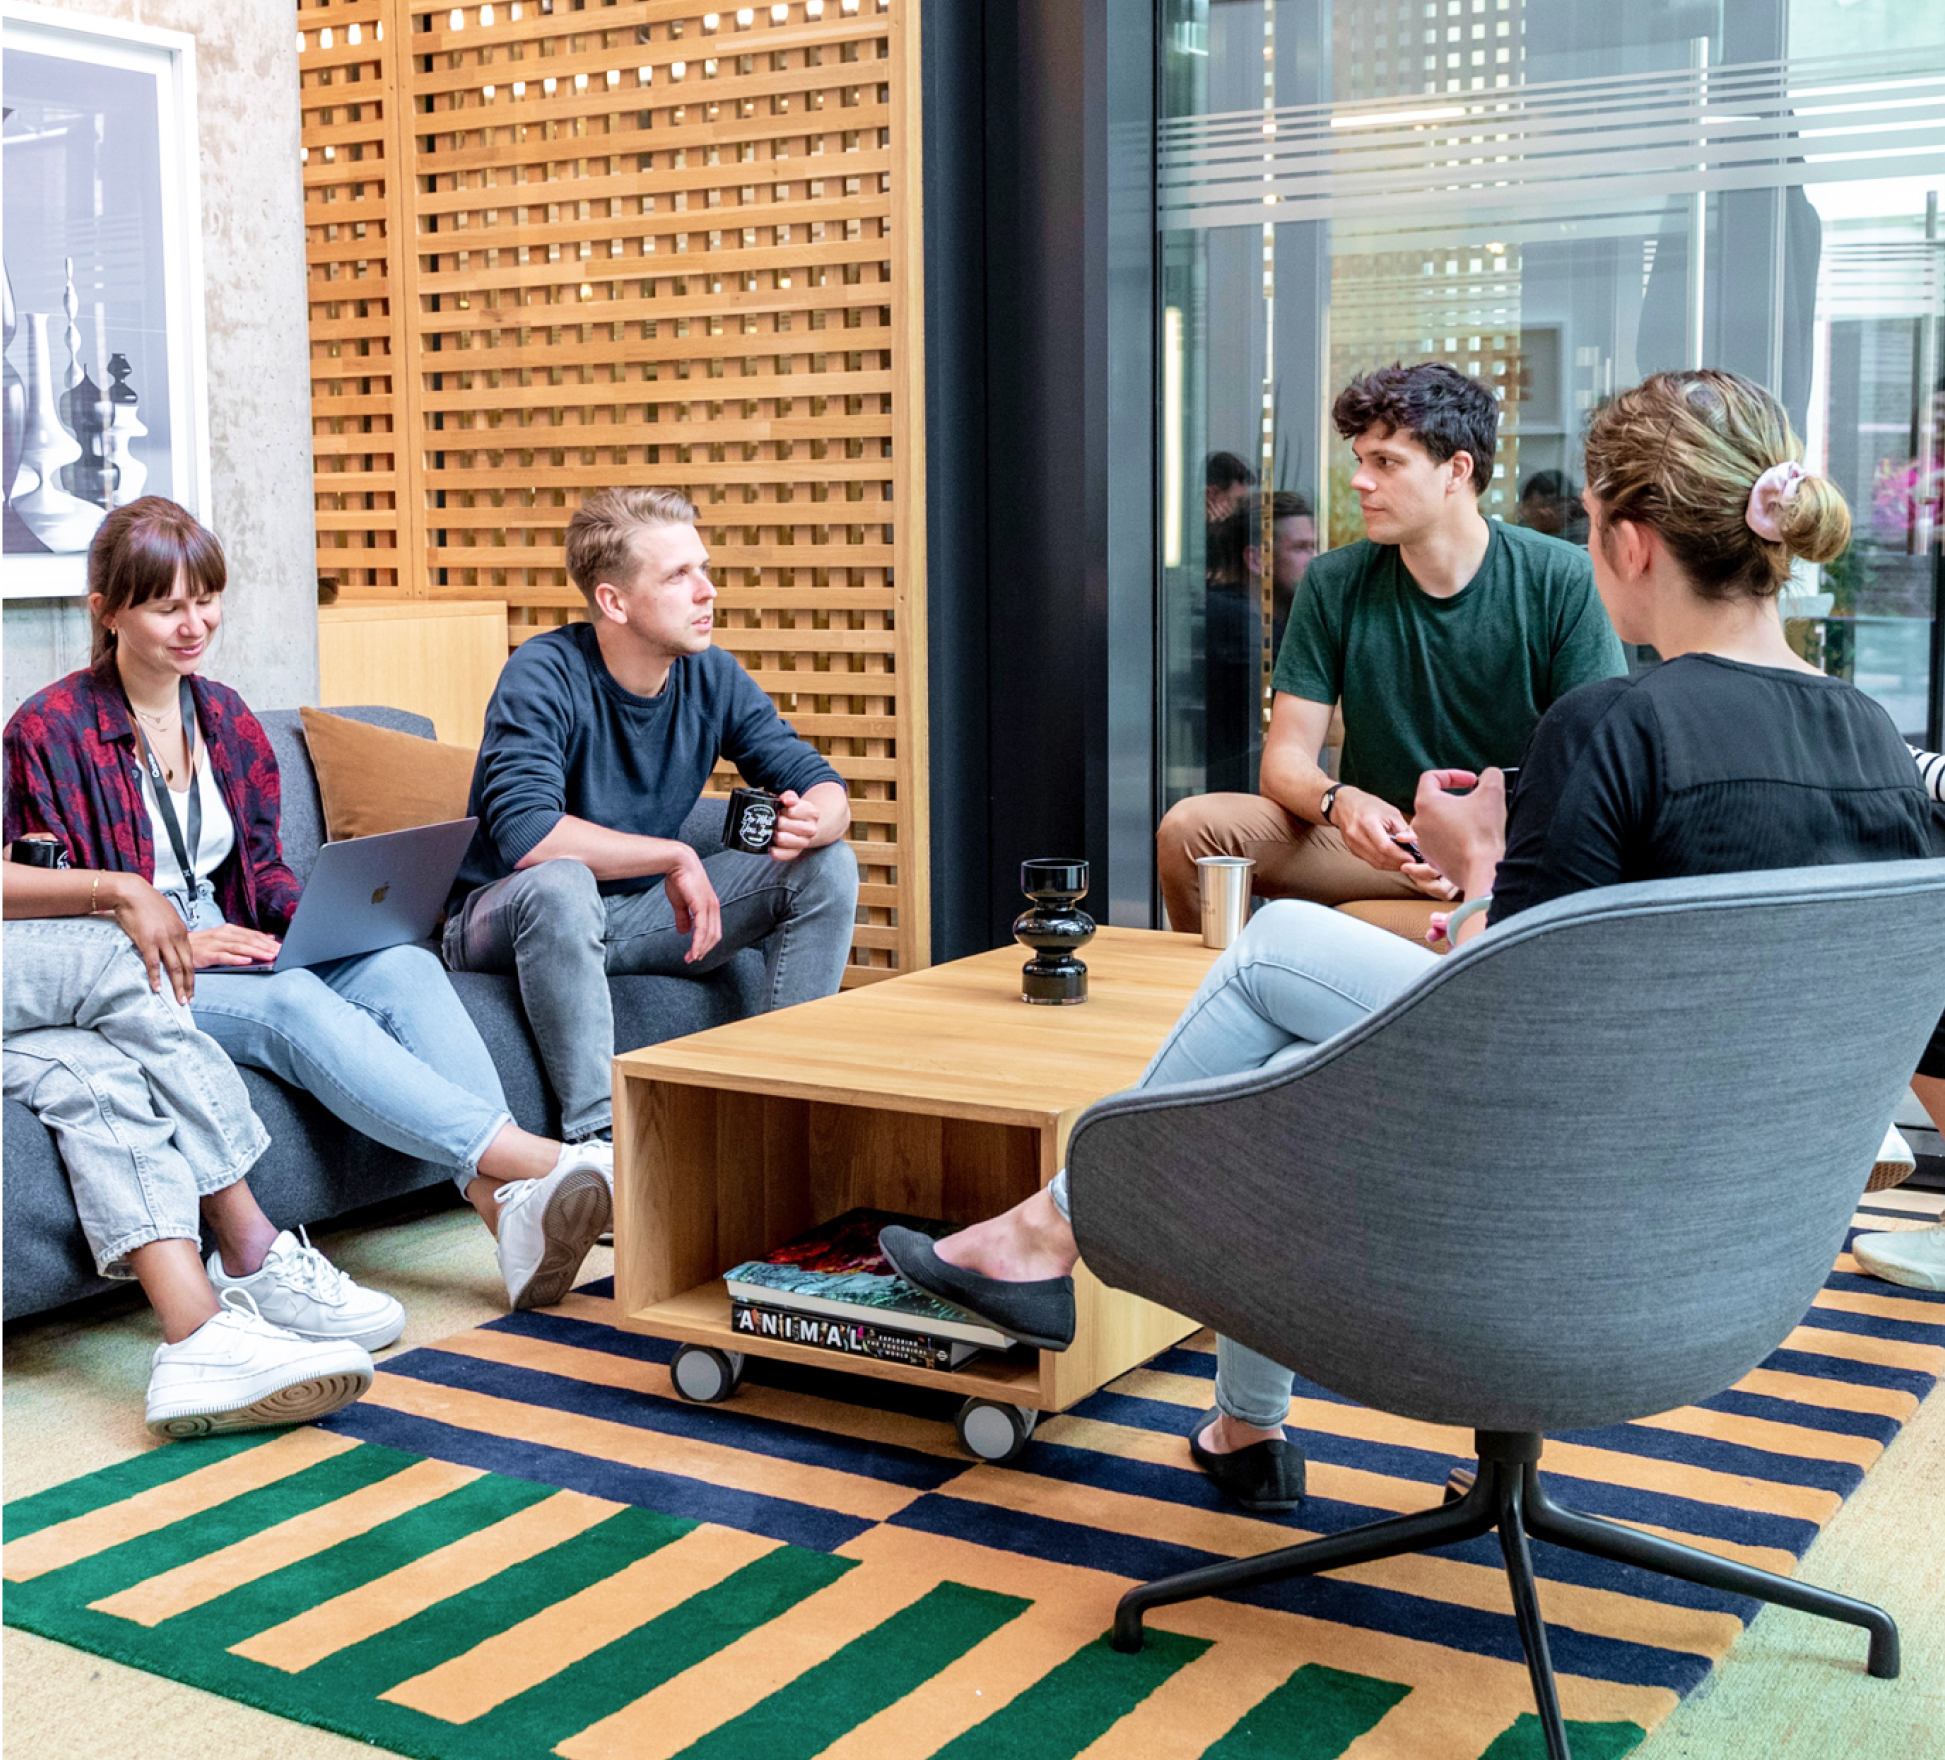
<point>1438,684</point>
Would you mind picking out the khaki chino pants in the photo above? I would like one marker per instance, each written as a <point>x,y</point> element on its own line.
<point>1294,858</point>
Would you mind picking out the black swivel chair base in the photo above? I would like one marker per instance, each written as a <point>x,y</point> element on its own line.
<point>1507,1495</point>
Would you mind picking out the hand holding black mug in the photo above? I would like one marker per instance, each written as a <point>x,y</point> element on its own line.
<point>781,826</point>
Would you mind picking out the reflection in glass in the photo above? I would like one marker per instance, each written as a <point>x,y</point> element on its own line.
<point>1557,199</point>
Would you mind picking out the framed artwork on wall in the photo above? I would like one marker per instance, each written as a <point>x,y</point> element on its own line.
<point>105,394</point>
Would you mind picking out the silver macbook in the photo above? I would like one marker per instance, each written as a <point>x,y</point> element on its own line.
<point>371,892</point>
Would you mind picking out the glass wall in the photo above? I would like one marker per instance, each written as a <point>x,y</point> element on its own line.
<point>1558,197</point>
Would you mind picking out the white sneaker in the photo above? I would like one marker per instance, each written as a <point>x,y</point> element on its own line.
<point>547,1226</point>
<point>300,1290</point>
<point>238,1372</point>
<point>1914,1257</point>
<point>597,1152</point>
<point>600,1153</point>
<point>1894,1165</point>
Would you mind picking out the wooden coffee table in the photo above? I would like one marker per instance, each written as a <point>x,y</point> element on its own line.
<point>938,1093</point>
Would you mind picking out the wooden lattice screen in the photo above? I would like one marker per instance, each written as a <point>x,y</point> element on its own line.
<point>561,244</point>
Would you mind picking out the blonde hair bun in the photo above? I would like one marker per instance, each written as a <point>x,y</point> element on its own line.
<point>1685,454</point>
<point>1815,521</point>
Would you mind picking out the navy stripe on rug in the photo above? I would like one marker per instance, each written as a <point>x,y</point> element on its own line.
<point>797,1524</point>
<point>670,1417</point>
<point>1188,1488</point>
<point>1916,1382</point>
<point>1323,1598</point>
<point>1876,1326</point>
<point>1806,1416</point>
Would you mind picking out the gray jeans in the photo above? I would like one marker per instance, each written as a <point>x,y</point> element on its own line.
<point>150,1115</point>
<point>551,925</point>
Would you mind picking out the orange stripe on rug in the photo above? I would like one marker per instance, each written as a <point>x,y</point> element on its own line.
<point>724,1686</point>
<point>1885,1307</point>
<point>392,1599</point>
<point>1858,1347</point>
<point>1188,1712</point>
<point>1348,1484</point>
<point>604,1369</point>
<point>1602,1613</point>
<point>1836,1396</point>
<point>1798,1441</point>
<point>82,1537</point>
<point>203,1579</point>
<point>971,1689</point>
<point>714,1463</point>
<point>538,1648</point>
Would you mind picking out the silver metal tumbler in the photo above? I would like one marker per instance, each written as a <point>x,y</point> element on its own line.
<point>1225,897</point>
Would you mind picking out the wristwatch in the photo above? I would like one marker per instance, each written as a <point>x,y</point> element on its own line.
<point>1329,801</point>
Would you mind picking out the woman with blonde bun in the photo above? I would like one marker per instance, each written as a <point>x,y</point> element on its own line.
<point>1731,755</point>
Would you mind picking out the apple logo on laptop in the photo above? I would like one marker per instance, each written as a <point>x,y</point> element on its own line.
<point>378,897</point>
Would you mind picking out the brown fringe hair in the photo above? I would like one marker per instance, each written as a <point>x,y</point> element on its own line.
<point>138,554</point>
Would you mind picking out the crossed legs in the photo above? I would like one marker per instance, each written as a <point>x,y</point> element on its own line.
<point>1298,974</point>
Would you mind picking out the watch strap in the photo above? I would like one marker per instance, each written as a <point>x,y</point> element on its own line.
<point>1329,801</point>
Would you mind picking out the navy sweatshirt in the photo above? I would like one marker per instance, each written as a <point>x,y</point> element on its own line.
<point>562,737</point>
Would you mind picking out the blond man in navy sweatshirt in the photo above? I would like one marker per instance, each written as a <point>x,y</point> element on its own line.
<point>599,739</point>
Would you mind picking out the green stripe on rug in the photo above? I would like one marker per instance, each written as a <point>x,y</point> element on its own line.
<point>269,1601</point>
<point>864,1677</point>
<point>237,1518</point>
<point>1070,1708</point>
<point>1315,1715</point>
<point>618,1674</point>
<point>1525,1740</point>
<point>156,1466</point>
<point>451,1627</point>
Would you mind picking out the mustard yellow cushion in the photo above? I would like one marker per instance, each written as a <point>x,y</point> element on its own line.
<point>373,779</point>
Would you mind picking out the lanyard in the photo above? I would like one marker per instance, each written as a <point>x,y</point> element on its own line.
<point>168,806</point>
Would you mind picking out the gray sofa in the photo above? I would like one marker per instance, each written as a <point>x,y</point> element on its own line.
<point>316,1167</point>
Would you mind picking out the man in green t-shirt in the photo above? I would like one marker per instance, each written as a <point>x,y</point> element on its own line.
<point>1444,635</point>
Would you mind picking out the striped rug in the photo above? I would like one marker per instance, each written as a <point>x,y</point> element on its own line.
<point>521,1544</point>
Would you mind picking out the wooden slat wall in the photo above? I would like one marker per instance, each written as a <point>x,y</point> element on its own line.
<point>648,243</point>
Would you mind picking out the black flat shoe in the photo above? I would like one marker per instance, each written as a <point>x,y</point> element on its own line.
<point>1265,1478</point>
<point>1038,1313</point>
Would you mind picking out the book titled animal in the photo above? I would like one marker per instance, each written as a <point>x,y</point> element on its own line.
<point>835,1270</point>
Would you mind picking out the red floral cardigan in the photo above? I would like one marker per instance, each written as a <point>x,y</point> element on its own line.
<point>74,768</point>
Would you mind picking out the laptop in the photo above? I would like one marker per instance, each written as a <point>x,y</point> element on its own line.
<point>371,892</point>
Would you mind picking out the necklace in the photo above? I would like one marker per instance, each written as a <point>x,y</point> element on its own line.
<point>163,725</point>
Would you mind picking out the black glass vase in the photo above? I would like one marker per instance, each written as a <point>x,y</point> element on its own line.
<point>1053,930</point>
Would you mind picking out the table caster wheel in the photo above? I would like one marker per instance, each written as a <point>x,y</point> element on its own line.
<point>1458,1482</point>
<point>705,1376</point>
<point>989,1431</point>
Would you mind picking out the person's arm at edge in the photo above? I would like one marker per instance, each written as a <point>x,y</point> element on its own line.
<point>1292,777</point>
<point>148,919</point>
<point>769,752</point>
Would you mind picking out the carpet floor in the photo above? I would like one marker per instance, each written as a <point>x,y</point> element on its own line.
<point>520,1543</point>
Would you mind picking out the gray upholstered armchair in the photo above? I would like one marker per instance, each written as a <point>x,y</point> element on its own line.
<point>1595,1167</point>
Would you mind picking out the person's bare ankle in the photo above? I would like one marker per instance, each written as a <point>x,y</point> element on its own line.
<point>1014,1247</point>
<point>1227,1435</point>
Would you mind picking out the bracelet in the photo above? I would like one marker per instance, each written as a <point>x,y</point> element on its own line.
<point>94,894</point>
<point>1471,908</point>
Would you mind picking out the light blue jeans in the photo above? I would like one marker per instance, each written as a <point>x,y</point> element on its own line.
<point>151,1117</point>
<point>1297,974</point>
<point>381,1040</point>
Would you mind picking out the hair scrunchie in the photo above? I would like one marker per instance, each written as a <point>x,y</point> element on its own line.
<point>1773,490</point>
